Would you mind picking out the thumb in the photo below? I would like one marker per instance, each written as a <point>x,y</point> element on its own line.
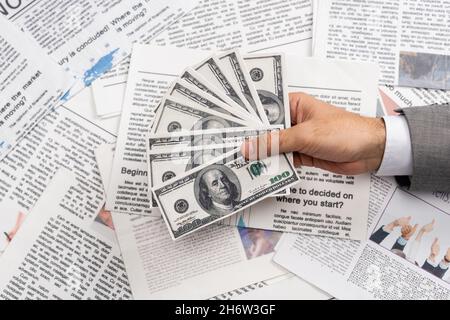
<point>272,143</point>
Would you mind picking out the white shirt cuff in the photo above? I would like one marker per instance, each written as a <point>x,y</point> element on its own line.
<point>402,241</point>
<point>432,263</point>
<point>398,157</point>
<point>443,265</point>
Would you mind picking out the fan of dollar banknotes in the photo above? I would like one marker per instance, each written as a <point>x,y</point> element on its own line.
<point>197,173</point>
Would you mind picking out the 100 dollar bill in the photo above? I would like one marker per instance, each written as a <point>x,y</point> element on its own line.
<point>269,77</point>
<point>210,69</point>
<point>175,115</point>
<point>217,190</point>
<point>193,77</point>
<point>234,65</point>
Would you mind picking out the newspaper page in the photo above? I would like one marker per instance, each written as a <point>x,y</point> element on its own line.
<point>405,256</point>
<point>323,203</point>
<point>221,25</point>
<point>59,255</point>
<point>148,81</point>
<point>286,286</point>
<point>31,85</point>
<point>408,38</point>
<point>63,139</point>
<point>137,237</point>
<point>87,38</point>
<point>208,263</point>
<point>401,97</point>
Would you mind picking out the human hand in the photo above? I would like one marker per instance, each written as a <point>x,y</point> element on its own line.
<point>427,228</point>
<point>19,220</point>
<point>400,222</point>
<point>408,231</point>
<point>447,256</point>
<point>325,137</point>
<point>435,248</point>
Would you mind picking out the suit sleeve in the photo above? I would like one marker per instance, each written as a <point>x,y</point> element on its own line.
<point>440,271</point>
<point>379,235</point>
<point>429,128</point>
<point>428,267</point>
<point>400,244</point>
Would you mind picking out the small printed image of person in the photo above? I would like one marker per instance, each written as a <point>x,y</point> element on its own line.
<point>104,217</point>
<point>416,232</point>
<point>258,242</point>
<point>423,70</point>
<point>217,190</point>
<point>10,234</point>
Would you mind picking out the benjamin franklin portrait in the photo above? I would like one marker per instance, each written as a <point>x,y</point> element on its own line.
<point>217,190</point>
<point>273,107</point>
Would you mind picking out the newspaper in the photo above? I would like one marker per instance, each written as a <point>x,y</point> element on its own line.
<point>408,38</point>
<point>221,25</point>
<point>63,140</point>
<point>208,263</point>
<point>86,38</point>
<point>404,257</point>
<point>31,85</point>
<point>400,97</point>
<point>58,255</point>
<point>323,203</point>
